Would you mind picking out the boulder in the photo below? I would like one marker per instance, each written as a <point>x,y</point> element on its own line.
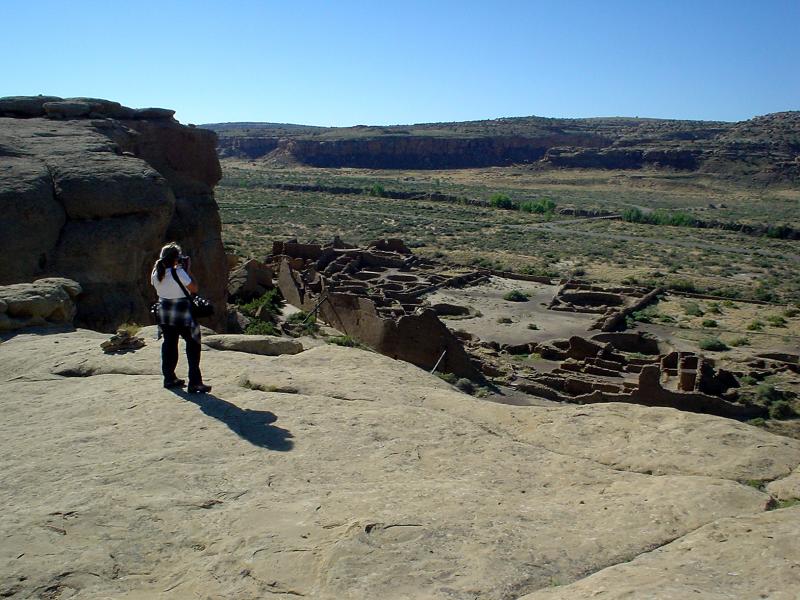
<point>67,109</point>
<point>249,281</point>
<point>253,344</point>
<point>25,106</point>
<point>44,302</point>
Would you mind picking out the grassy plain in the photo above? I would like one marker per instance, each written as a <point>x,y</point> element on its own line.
<point>729,263</point>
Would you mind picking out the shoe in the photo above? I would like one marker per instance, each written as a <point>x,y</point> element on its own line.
<point>200,388</point>
<point>173,383</point>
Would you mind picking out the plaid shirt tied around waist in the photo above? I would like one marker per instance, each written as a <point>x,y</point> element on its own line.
<point>178,312</point>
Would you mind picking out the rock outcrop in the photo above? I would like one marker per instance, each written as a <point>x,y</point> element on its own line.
<point>340,473</point>
<point>44,302</point>
<point>90,190</point>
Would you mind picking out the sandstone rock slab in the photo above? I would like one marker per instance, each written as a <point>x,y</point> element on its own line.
<point>267,345</point>
<point>748,557</point>
<point>393,486</point>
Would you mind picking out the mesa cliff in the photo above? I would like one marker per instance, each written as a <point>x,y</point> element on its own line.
<point>90,190</point>
<point>767,147</point>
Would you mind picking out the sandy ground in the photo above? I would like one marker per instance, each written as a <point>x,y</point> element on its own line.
<point>488,300</point>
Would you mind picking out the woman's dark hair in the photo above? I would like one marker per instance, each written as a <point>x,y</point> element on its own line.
<point>168,258</point>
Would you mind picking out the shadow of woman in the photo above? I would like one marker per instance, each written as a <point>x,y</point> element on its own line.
<point>251,425</point>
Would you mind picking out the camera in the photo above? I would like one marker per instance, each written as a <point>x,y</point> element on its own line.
<point>183,260</point>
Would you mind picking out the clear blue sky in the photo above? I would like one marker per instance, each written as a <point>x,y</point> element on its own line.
<point>340,62</point>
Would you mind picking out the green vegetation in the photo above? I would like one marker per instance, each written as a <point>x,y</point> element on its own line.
<point>448,377</point>
<point>376,190</point>
<point>541,206</point>
<point>659,217</point>
<point>345,340</point>
<point>740,341</point>
<point>756,325</point>
<point>709,323</point>
<point>129,328</point>
<point>257,327</point>
<point>776,321</point>
<point>516,296</point>
<point>301,323</point>
<point>456,227</point>
<point>713,345</point>
<point>269,305</point>
<point>503,201</point>
<point>778,402</point>
<point>692,309</point>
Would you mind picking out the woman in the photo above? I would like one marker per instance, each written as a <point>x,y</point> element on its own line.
<point>175,318</point>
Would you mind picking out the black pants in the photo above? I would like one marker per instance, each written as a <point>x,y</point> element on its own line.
<point>169,353</point>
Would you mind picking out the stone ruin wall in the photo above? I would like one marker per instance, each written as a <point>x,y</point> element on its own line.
<point>373,295</point>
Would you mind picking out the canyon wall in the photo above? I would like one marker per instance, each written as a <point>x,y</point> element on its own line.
<point>766,147</point>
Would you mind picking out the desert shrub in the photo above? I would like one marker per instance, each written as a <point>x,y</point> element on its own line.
<point>448,377</point>
<point>714,308</point>
<point>781,409</point>
<point>713,345</point>
<point>776,321</point>
<point>755,325</point>
<point>499,200</point>
<point>465,385</point>
<point>505,320</point>
<point>646,315</point>
<point>659,217</point>
<point>692,309</point>
<point>259,327</point>
<point>377,191</point>
<point>516,296</point>
<point>740,341</point>
<point>540,206</point>
<point>765,294</point>
<point>791,312</point>
<point>748,380</point>
<point>130,328</point>
<point>709,323</point>
<point>344,340</point>
<point>682,285</point>
<point>301,326</point>
<point>778,403</point>
<point>273,300</point>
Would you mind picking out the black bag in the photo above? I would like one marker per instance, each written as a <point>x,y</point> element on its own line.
<point>200,307</point>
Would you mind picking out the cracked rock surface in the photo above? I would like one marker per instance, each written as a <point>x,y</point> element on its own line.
<point>359,476</point>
